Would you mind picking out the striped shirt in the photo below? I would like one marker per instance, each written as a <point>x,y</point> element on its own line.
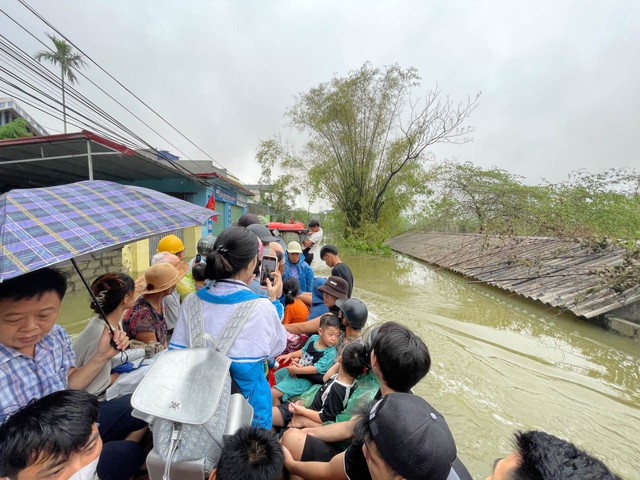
<point>24,378</point>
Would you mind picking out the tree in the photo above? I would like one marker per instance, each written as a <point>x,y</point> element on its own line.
<point>368,139</point>
<point>279,193</point>
<point>604,204</point>
<point>468,198</point>
<point>15,129</point>
<point>589,206</point>
<point>68,60</point>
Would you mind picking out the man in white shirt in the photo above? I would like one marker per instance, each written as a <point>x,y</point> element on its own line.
<point>312,244</point>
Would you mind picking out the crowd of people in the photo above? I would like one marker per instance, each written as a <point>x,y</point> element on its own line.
<point>331,396</point>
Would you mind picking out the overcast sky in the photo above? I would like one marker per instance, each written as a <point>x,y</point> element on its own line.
<point>559,79</point>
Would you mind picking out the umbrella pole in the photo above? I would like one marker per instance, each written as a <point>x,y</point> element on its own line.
<point>93,297</point>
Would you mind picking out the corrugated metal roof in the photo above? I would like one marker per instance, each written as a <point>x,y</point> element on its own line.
<point>561,273</point>
<point>58,159</point>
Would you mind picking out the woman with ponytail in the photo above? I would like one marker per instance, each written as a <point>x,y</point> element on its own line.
<point>121,433</point>
<point>115,293</point>
<point>230,269</point>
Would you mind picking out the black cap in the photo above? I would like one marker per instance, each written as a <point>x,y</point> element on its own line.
<point>336,287</point>
<point>248,219</point>
<point>412,437</point>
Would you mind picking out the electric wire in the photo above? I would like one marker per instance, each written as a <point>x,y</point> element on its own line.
<point>29,63</point>
<point>98,87</point>
<point>72,93</point>
<point>46,22</point>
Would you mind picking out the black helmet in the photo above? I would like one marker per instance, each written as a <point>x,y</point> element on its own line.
<point>354,310</point>
<point>205,244</point>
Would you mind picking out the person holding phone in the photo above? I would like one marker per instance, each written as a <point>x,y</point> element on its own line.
<point>230,269</point>
<point>268,266</point>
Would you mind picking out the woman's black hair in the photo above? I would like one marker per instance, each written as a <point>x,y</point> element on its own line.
<point>234,249</point>
<point>291,289</point>
<point>110,289</point>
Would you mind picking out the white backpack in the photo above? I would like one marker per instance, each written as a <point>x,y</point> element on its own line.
<point>186,395</point>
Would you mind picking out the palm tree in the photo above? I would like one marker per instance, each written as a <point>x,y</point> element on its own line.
<point>68,61</point>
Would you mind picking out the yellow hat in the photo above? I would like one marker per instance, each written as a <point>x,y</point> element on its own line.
<point>171,244</point>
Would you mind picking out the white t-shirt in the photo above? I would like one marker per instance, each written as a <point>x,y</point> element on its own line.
<point>171,307</point>
<point>316,238</point>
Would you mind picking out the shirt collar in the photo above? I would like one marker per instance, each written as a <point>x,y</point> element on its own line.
<point>8,353</point>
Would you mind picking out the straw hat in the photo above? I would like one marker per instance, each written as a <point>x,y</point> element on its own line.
<point>161,276</point>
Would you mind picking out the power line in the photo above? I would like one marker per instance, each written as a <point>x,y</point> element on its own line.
<point>26,60</point>
<point>97,86</point>
<point>46,22</point>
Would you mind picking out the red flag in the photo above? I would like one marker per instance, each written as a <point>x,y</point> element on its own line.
<point>211,204</point>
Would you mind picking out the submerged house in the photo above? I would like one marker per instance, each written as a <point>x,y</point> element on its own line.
<point>593,282</point>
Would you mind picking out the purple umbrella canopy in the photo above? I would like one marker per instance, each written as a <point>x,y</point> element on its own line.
<point>40,227</point>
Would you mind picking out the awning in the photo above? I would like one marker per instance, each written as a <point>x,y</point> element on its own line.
<point>60,159</point>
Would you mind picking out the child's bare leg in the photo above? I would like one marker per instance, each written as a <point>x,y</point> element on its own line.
<point>276,417</point>
<point>276,396</point>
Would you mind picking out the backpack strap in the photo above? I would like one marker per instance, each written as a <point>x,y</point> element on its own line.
<point>232,329</point>
<point>200,338</point>
<point>195,322</point>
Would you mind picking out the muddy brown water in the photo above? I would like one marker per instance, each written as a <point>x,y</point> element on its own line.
<point>499,363</point>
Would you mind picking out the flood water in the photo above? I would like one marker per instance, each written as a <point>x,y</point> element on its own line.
<point>499,363</point>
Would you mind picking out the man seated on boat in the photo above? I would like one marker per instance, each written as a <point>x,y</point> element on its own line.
<point>405,437</point>
<point>547,457</point>
<point>251,454</point>
<point>329,254</point>
<point>399,359</point>
<point>334,289</point>
<point>353,315</point>
<point>55,436</point>
<point>36,357</point>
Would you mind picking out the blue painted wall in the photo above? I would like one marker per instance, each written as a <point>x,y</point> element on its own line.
<point>225,197</point>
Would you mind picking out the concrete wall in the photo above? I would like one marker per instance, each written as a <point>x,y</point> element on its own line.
<point>132,259</point>
<point>135,256</point>
<point>92,268</point>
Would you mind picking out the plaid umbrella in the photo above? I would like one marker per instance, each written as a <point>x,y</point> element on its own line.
<point>45,226</point>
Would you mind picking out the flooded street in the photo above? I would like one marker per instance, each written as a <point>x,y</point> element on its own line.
<point>499,363</point>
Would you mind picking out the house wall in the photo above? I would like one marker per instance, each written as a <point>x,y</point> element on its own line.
<point>92,268</point>
<point>230,203</point>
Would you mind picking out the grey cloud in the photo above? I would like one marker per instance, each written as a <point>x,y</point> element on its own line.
<point>559,79</point>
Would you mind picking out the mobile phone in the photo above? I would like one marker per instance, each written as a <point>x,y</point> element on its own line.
<point>268,266</point>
